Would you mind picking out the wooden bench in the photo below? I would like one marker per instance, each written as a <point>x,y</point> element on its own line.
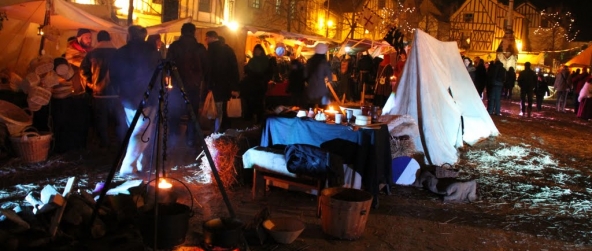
<point>269,168</point>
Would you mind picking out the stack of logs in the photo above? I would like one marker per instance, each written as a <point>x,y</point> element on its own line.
<point>49,219</point>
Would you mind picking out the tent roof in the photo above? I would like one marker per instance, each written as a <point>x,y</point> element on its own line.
<point>261,31</point>
<point>533,58</point>
<point>582,59</point>
<point>360,45</point>
<point>168,27</point>
<point>437,91</point>
<point>65,16</point>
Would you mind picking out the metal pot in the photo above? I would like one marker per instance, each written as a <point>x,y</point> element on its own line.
<point>173,221</point>
<point>223,232</point>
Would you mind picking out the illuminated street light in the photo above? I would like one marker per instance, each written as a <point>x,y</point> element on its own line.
<point>233,25</point>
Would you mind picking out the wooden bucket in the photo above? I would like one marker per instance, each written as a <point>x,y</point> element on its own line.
<point>344,212</point>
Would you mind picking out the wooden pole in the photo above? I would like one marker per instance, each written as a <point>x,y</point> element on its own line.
<point>130,13</point>
<point>46,21</point>
<point>333,92</point>
<point>363,94</point>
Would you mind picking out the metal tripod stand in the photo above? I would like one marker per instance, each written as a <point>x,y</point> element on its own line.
<point>163,69</point>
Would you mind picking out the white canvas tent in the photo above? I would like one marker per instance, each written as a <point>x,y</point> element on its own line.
<point>64,15</point>
<point>436,90</point>
<point>20,42</point>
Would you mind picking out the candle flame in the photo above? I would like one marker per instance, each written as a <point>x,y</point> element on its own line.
<point>164,184</point>
<point>169,82</point>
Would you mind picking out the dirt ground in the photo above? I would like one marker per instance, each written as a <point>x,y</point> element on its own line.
<point>534,182</point>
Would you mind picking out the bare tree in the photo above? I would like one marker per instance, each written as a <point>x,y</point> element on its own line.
<point>555,32</point>
<point>289,15</point>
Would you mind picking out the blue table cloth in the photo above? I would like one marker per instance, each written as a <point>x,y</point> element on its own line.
<point>367,149</point>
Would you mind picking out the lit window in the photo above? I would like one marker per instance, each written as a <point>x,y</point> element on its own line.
<point>256,4</point>
<point>292,7</point>
<point>278,6</point>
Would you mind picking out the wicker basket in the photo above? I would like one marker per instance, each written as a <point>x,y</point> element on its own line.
<point>15,118</point>
<point>39,95</point>
<point>446,170</point>
<point>32,147</point>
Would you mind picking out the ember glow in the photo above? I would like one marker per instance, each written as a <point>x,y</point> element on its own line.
<point>164,184</point>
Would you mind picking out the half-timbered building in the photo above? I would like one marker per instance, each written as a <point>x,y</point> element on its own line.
<point>532,15</point>
<point>478,26</point>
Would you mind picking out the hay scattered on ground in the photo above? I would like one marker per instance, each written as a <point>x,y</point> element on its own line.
<point>530,179</point>
<point>223,149</point>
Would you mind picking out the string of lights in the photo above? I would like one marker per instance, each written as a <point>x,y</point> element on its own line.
<point>396,17</point>
<point>559,23</point>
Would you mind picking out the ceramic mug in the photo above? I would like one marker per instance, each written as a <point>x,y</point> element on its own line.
<point>349,114</point>
<point>338,118</point>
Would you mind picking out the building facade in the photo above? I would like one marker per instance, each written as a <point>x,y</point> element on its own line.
<point>479,26</point>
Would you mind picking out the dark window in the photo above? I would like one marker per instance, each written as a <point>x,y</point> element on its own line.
<point>205,5</point>
<point>381,4</point>
<point>468,17</point>
<point>256,4</point>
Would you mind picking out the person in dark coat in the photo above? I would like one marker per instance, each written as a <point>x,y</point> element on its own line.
<point>296,79</point>
<point>480,76</point>
<point>222,77</point>
<point>383,87</point>
<point>72,115</point>
<point>470,68</point>
<point>497,75</point>
<point>130,70</point>
<point>540,91</point>
<point>190,57</point>
<point>258,73</point>
<point>107,109</point>
<point>527,81</point>
<point>318,72</point>
<point>509,83</point>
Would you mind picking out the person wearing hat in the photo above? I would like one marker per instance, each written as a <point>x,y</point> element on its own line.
<point>106,106</point>
<point>222,78</point>
<point>318,72</point>
<point>71,115</point>
<point>75,53</point>
<point>383,87</point>
<point>130,71</point>
<point>190,58</point>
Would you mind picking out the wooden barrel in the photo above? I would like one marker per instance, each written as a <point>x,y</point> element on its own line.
<point>344,212</point>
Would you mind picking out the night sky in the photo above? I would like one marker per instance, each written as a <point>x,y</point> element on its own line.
<point>581,10</point>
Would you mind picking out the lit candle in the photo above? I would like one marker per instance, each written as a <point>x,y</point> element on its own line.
<point>330,113</point>
<point>166,194</point>
<point>168,82</point>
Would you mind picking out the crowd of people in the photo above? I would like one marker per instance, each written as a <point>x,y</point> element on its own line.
<point>116,84</point>
<point>494,83</point>
<point>115,81</point>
